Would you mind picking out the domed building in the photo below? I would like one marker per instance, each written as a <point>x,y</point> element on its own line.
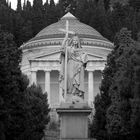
<point>41,58</point>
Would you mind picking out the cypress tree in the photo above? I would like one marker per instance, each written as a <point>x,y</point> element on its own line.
<point>9,76</point>
<point>117,107</point>
<point>23,110</point>
<point>3,2</point>
<point>37,16</point>
<point>52,13</point>
<point>19,7</point>
<point>135,102</point>
<point>121,91</point>
<point>135,4</point>
<point>24,5</point>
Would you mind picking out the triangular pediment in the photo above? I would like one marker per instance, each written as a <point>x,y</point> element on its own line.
<point>56,56</point>
<point>48,56</point>
<point>94,57</point>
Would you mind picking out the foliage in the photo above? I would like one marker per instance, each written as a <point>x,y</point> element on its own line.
<point>36,111</point>
<point>117,114</point>
<point>123,2</point>
<point>117,107</point>
<point>23,110</point>
<point>102,101</point>
<point>9,77</point>
<point>106,16</point>
<point>19,9</point>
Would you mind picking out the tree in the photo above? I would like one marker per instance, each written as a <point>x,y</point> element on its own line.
<point>103,100</point>
<point>6,17</point>
<point>35,109</point>
<point>122,91</point>
<point>3,2</point>
<point>135,4</point>
<point>123,2</point>
<point>37,16</point>
<point>117,107</point>
<point>23,110</point>
<point>9,75</point>
<point>19,7</point>
<point>107,4</point>
<point>18,25</point>
<point>88,8</point>
<point>52,14</point>
<point>135,102</point>
<point>99,20</point>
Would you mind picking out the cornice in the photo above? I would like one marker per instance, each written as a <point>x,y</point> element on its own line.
<point>42,43</point>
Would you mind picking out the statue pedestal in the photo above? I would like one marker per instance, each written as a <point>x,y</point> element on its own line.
<point>74,121</point>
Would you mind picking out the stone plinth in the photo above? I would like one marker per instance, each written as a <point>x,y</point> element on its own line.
<point>74,121</point>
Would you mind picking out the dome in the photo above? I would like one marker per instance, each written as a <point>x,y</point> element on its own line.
<point>53,35</point>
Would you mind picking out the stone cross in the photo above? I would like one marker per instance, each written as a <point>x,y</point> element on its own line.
<point>65,42</point>
<point>66,31</point>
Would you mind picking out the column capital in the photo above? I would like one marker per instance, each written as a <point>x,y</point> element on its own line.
<point>95,69</point>
<point>90,69</point>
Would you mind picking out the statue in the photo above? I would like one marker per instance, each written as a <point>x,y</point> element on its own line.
<point>73,62</point>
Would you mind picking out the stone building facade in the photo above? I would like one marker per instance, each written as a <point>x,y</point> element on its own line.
<point>41,58</point>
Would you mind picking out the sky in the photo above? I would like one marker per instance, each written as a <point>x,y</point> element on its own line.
<point>14,3</point>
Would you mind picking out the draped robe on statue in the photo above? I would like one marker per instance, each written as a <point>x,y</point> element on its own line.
<point>76,63</point>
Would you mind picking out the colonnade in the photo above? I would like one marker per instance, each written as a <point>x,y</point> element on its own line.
<point>91,80</point>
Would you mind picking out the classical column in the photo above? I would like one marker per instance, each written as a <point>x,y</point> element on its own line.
<point>90,88</point>
<point>33,77</point>
<point>47,84</point>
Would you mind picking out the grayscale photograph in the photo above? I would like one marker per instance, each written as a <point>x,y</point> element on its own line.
<point>69,69</point>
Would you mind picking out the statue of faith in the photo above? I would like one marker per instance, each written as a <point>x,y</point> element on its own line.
<point>65,42</point>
